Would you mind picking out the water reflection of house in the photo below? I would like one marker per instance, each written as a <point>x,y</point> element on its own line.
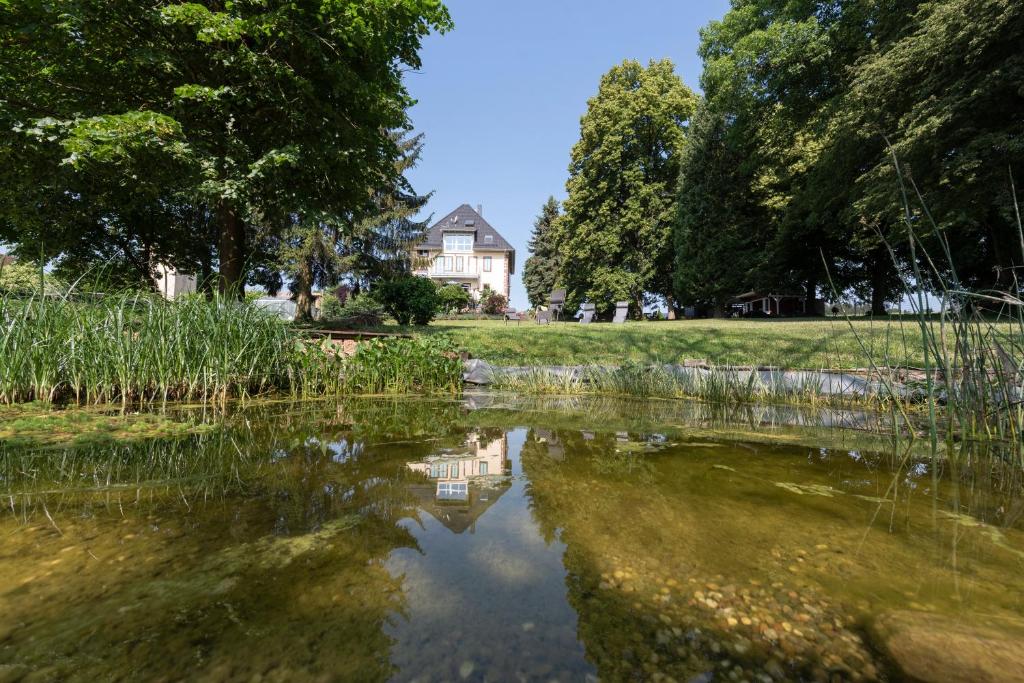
<point>464,482</point>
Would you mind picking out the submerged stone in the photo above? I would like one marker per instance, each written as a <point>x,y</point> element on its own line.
<point>939,649</point>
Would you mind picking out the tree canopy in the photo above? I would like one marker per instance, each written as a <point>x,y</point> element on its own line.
<point>540,272</point>
<point>809,102</point>
<point>615,241</point>
<point>190,133</point>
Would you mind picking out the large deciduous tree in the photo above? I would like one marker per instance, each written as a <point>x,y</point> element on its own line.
<point>615,239</point>
<point>251,111</point>
<point>720,227</point>
<point>540,272</point>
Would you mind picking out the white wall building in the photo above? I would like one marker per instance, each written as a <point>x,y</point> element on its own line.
<point>173,284</point>
<point>464,249</point>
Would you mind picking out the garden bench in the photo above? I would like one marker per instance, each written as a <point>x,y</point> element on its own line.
<point>513,314</point>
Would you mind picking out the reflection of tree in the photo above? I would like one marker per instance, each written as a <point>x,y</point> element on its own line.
<point>281,522</point>
<point>567,497</point>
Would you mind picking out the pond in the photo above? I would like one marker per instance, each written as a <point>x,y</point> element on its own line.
<point>491,539</point>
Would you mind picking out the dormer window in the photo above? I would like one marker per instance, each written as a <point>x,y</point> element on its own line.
<point>457,242</point>
<point>488,239</point>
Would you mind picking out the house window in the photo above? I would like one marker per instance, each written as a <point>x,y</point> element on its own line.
<point>482,467</point>
<point>487,264</point>
<point>455,470</point>
<point>448,265</point>
<point>458,243</point>
<point>459,265</point>
<point>488,239</point>
<point>453,491</point>
<point>423,253</point>
<point>439,264</point>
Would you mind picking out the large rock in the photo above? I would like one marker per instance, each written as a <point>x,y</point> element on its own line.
<point>933,648</point>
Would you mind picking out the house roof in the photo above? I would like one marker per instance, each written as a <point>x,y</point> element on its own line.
<point>466,219</point>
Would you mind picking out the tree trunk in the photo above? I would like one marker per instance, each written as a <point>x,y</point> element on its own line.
<point>718,310</point>
<point>879,289</point>
<point>231,251</point>
<point>671,306</point>
<point>303,283</point>
<point>811,297</point>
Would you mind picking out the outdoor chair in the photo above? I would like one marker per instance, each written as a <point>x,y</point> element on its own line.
<point>543,317</point>
<point>621,311</point>
<point>556,302</point>
<point>586,314</point>
<point>513,314</point>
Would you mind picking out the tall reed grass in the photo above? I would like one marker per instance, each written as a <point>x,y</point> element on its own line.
<point>974,347</point>
<point>135,347</point>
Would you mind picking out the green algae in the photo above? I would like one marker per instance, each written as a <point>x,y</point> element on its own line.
<point>33,425</point>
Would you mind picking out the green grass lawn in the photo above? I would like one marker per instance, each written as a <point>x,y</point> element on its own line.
<point>814,344</point>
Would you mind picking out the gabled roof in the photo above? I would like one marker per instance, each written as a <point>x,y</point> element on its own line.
<point>466,219</point>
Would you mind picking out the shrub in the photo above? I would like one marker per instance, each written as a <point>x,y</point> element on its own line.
<point>359,311</point>
<point>492,303</point>
<point>22,278</point>
<point>453,299</point>
<point>330,308</point>
<point>408,299</point>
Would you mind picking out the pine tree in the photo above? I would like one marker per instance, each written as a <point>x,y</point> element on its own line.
<point>540,272</point>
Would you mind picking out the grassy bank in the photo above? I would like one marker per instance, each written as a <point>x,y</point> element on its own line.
<point>131,348</point>
<point>809,344</point>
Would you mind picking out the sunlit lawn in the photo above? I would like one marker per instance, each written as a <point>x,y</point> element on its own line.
<point>819,343</point>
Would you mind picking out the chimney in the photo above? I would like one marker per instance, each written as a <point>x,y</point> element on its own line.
<point>480,209</point>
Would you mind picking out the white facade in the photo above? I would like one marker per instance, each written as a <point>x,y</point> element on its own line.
<point>173,284</point>
<point>474,270</point>
<point>464,249</point>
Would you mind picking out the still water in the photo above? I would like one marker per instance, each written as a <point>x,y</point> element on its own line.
<point>473,540</point>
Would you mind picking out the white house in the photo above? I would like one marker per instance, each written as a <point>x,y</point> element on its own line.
<point>464,249</point>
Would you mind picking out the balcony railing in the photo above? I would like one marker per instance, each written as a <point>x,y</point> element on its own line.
<point>459,274</point>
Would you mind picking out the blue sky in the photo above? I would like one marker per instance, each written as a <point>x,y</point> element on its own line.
<point>500,96</point>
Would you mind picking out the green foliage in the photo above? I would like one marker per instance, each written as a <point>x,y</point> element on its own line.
<point>192,133</point>
<point>491,302</point>
<point>716,232</point>
<point>24,277</point>
<point>408,299</point>
<point>614,240</point>
<point>357,311</point>
<point>540,272</point>
<point>814,94</point>
<point>132,347</point>
<point>453,299</point>
<point>379,244</point>
<point>396,366</point>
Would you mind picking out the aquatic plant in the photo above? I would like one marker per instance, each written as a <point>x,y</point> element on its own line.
<point>973,350</point>
<point>137,347</point>
<point>397,366</point>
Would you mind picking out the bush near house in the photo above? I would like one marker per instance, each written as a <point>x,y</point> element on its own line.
<point>408,299</point>
<point>453,299</point>
<point>491,302</point>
